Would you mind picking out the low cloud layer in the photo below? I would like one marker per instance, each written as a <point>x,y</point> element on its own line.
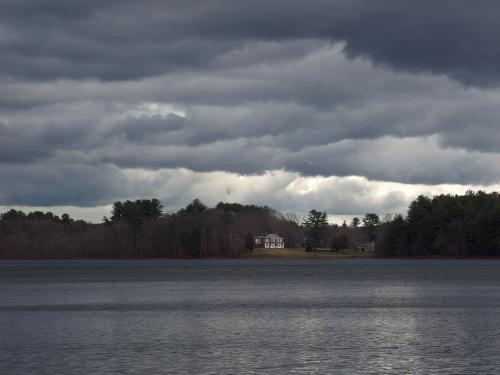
<point>341,197</point>
<point>388,91</point>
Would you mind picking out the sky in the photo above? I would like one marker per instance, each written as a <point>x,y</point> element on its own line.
<point>347,106</point>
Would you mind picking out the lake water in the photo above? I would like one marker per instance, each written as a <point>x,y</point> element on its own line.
<point>368,316</point>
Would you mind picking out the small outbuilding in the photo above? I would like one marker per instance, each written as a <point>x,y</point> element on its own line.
<point>367,246</point>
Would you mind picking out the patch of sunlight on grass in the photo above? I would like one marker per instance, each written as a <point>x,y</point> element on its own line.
<point>300,253</point>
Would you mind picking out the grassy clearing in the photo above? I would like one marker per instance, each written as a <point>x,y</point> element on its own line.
<point>300,253</point>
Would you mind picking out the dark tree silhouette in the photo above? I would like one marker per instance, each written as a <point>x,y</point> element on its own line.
<point>249,242</point>
<point>355,222</point>
<point>370,223</point>
<point>315,225</point>
<point>446,225</point>
<point>340,242</point>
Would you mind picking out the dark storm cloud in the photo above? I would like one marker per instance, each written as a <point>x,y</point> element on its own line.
<point>149,129</point>
<point>109,123</point>
<point>113,40</point>
<point>412,161</point>
<point>41,184</point>
<point>101,100</point>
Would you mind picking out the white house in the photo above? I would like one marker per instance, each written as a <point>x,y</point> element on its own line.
<point>269,241</point>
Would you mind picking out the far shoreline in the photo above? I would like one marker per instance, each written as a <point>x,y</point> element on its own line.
<point>321,256</point>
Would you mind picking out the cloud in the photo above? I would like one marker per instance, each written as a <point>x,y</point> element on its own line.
<point>286,191</point>
<point>51,184</point>
<point>375,123</point>
<point>259,93</point>
<point>50,40</point>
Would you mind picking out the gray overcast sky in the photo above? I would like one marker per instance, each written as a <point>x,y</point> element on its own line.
<point>344,105</point>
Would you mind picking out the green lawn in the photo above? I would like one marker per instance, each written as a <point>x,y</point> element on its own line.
<point>300,253</point>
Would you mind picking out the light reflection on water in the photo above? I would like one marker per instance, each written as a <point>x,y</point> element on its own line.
<point>250,317</point>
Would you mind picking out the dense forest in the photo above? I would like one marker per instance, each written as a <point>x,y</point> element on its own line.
<point>141,229</point>
<point>445,225</point>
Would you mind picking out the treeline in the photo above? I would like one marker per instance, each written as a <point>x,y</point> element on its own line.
<point>142,229</point>
<point>445,225</point>
<point>319,234</point>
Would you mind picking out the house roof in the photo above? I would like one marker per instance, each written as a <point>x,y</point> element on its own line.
<point>270,236</point>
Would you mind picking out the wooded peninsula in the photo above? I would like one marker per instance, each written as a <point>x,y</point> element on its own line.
<point>442,226</point>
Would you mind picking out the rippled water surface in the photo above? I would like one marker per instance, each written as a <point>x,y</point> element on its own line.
<point>250,317</point>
